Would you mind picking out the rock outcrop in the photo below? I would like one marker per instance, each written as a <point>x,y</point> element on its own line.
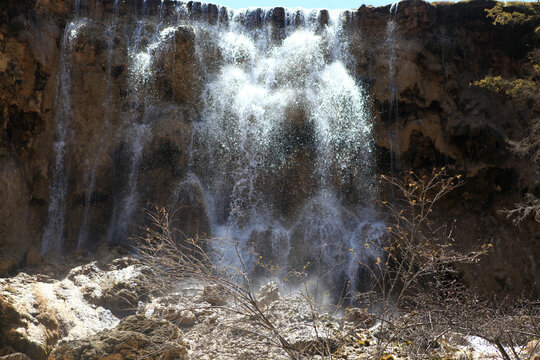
<point>37,311</point>
<point>43,318</point>
<point>135,337</point>
<point>29,33</point>
<point>436,117</point>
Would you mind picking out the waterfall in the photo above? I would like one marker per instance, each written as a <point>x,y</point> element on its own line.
<point>137,129</point>
<point>266,102</point>
<point>393,132</point>
<point>53,232</point>
<point>265,125</point>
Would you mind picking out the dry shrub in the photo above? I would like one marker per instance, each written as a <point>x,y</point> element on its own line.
<point>417,294</point>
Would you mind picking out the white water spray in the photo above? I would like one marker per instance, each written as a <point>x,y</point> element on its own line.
<point>280,154</point>
<point>242,142</point>
<point>393,132</point>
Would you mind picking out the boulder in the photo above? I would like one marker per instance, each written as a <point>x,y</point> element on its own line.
<point>15,356</point>
<point>135,337</point>
<point>37,311</point>
<point>118,289</point>
<point>359,317</point>
<point>176,308</point>
<point>186,318</point>
<point>214,295</point>
<point>268,294</point>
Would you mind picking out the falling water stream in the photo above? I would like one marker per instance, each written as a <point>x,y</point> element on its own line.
<point>54,228</point>
<point>280,156</point>
<point>393,132</point>
<point>245,138</point>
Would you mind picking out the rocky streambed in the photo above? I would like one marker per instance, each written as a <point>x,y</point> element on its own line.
<point>105,310</point>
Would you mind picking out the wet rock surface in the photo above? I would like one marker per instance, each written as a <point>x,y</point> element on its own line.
<point>226,332</point>
<point>267,294</point>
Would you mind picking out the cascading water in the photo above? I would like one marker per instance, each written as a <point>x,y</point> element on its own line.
<point>54,228</point>
<point>275,130</point>
<point>393,133</point>
<point>137,128</point>
<point>267,102</point>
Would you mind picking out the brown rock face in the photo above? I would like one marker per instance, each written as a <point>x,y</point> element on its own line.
<point>438,118</point>
<point>33,258</point>
<point>135,129</point>
<point>7,266</point>
<point>24,104</point>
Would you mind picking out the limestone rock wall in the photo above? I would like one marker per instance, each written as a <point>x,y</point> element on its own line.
<point>29,35</point>
<point>438,118</point>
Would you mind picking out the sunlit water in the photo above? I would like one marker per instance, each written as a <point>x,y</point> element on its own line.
<point>259,88</point>
<point>281,154</point>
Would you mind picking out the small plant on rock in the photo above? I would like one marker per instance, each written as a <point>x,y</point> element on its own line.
<point>524,91</point>
<point>175,258</point>
<point>417,296</point>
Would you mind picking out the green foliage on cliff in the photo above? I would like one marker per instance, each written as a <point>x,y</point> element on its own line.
<point>527,88</point>
<point>514,13</point>
<point>524,90</point>
<point>518,88</point>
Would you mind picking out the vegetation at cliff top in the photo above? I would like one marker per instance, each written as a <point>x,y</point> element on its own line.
<point>515,13</point>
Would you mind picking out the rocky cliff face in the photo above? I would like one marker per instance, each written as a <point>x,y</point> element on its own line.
<point>417,60</point>
<point>438,118</point>
<point>28,69</point>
